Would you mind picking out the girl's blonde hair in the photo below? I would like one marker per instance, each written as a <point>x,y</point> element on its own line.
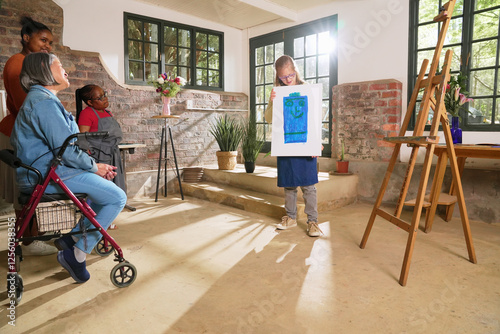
<point>282,62</point>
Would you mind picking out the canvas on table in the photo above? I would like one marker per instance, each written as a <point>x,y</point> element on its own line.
<point>296,127</point>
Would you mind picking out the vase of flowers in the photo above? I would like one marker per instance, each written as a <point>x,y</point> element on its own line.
<point>168,87</point>
<point>455,98</point>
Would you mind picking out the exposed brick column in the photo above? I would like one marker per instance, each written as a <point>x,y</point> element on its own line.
<point>363,114</point>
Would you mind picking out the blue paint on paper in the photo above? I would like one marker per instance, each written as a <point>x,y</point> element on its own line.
<point>295,110</point>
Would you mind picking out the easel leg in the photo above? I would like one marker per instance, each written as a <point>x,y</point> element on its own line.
<point>437,182</point>
<point>450,208</point>
<point>159,163</point>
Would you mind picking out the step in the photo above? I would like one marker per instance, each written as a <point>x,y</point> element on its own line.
<point>259,190</point>
<point>244,199</point>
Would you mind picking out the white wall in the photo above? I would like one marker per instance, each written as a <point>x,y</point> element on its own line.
<point>94,25</point>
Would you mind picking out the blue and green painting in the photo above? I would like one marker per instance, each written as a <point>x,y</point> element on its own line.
<point>295,111</point>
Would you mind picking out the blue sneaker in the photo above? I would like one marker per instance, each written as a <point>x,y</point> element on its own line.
<point>76,269</point>
<point>64,242</point>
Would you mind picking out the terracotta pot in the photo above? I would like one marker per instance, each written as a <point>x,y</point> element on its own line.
<point>342,166</point>
<point>226,159</point>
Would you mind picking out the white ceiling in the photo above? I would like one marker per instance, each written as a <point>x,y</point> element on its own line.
<point>241,14</point>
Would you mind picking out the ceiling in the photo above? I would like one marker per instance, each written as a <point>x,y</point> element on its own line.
<point>241,14</point>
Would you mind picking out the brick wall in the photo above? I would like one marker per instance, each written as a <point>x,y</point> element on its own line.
<point>363,114</point>
<point>133,107</point>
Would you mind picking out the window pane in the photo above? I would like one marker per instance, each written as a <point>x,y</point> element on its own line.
<point>259,56</point>
<point>311,45</point>
<point>279,50</point>
<point>134,29</point>
<point>325,111</point>
<point>151,71</point>
<point>482,4</point>
<point>484,53</point>
<point>259,115</point>
<point>298,47</point>
<point>324,132</point>
<point>185,72</point>
<point>201,77</point>
<point>455,60</point>
<point>268,89</point>
<point>427,10</point>
<point>421,55</point>
<point>300,66</point>
<point>324,42</point>
<point>454,33</point>
<point>269,134</point>
<point>269,54</point>
<point>326,87</point>
<point>151,32</point>
<point>151,52</point>
<point>135,71</point>
<point>170,35</point>
<point>170,55</point>
<point>184,38</point>
<point>213,78</point>
<point>497,112</point>
<point>259,75</point>
<point>213,43</point>
<point>184,56</point>
<point>201,59</point>
<point>427,36</point>
<point>135,50</point>
<point>482,82</point>
<point>310,67</point>
<point>324,65</point>
<point>213,61</point>
<point>482,107</point>
<point>201,41</point>
<point>269,74</point>
<point>486,24</point>
<point>259,94</point>
<point>459,7</point>
<point>171,70</point>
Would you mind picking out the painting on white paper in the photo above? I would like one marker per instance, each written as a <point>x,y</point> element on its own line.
<point>296,127</point>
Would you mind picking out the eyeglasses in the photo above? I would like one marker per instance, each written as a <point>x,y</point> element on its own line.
<point>286,77</point>
<point>102,97</point>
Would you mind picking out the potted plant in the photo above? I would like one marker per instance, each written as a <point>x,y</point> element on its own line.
<point>252,143</point>
<point>228,134</point>
<point>342,164</point>
<point>454,99</point>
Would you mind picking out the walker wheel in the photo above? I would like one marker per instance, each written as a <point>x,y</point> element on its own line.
<point>123,274</point>
<point>15,287</point>
<point>103,248</point>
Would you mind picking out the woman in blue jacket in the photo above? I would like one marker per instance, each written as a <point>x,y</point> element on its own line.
<point>41,127</point>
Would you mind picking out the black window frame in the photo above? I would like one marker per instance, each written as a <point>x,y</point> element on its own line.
<point>287,36</point>
<point>466,45</point>
<point>161,57</point>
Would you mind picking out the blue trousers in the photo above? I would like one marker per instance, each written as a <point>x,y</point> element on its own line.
<point>107,200</point>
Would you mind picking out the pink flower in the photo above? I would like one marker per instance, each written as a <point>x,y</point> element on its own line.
<point>166,91</point>
<point>448,87</point>
<point>464,99</point>
<point>164,76</point>
<point>457,93</point>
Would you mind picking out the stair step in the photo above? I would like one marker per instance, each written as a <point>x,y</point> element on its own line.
<point>244,199</point>
<point>258,191</point>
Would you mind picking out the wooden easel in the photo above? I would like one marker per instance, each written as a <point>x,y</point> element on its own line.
<point>434,88</point>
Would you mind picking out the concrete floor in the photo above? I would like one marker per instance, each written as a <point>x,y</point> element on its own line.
<point>208,268</point>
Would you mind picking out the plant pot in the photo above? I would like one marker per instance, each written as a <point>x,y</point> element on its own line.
<point>192,174</point>
<point>226,159</point>
<point>249,166</point>
<point>342,166</point>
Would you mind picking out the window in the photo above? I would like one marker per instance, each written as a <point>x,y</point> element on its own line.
<point>311,45</point>
<point>154,46</point>
<point>473,37</point>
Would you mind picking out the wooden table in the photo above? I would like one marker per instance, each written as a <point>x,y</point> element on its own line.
<point>436,197</point>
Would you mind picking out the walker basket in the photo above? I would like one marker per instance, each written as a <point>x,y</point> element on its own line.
<point>57,216</point>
